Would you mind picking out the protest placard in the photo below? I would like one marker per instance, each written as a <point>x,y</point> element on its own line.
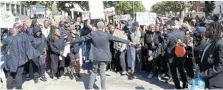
<point>122,17</point>
<point>146,18</point>
<point>110,11</point>
<point>7,20</point>
<point>96,9</point>
<point>118,33</point>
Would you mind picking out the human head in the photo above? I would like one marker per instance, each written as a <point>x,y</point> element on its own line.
<point>152,28</point>
<point>55,31</point>
<point>16,29</point>
<point>135,26</point>
<point>37,31</point>
<point>100,25</point>
<point>46,23</point>
<point>157,28</point>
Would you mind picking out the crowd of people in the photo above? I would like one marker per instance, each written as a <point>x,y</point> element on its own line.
<point>36,49</point>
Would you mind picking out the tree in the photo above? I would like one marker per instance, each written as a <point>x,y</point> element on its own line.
<point>209,7</point>
<point>125,7</point>
<point>48,4</point>
<point>67,5</point>
<point>165,7</point>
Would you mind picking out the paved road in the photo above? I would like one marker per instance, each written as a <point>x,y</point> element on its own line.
<point>114,81</point>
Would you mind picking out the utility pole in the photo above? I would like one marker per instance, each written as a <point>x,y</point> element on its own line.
<point>133,8</point>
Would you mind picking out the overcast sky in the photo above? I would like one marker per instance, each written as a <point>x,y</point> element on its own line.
<point>149,3</point>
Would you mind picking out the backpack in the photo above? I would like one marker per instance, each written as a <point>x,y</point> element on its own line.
<point>180,50</point>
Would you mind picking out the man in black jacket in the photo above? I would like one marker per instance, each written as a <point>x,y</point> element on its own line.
<point>211,66</point>
<point>175,62</point>
<point>99,52</point>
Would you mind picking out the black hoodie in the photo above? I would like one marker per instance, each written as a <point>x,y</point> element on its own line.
<point>39,43</point>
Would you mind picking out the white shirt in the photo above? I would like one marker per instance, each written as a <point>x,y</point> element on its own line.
<point>46,31</point>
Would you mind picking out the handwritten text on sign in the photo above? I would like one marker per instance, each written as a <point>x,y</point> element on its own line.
<point>146,18</point>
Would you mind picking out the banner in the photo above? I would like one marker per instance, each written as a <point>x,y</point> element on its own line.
<point>146,18</point>
<point>110,11</point>
<point>122,17</point>
<point>96,9</point>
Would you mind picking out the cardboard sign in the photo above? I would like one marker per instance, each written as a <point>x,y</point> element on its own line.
<point>146,18</point>
<point>118,33</point>
<point>110,11</point>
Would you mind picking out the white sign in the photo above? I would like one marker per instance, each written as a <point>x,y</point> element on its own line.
<point>146,18</point>
<point>122,17</point>
<point>7,20</point>
<point>110,11</point>
<point>85,15</point>
<point>96,9</point>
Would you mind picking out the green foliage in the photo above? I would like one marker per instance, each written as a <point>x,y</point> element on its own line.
<point>125,7</point>
<point>61,5</point>
<point>209,7</point>
<point>165,7</point>
<point>44,3</point>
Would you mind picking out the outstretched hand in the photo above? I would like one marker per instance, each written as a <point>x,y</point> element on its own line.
<point>150,58</point>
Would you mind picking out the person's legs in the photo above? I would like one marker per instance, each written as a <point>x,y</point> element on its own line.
<point>122,61</point>
<point>138,58</point>
<point>93,74</point>
<point>174,75</point>
<point>182,72</point>
<point>133,53</point>
<point>42,68</point>
<point>10,80</point>
<point>77,68</point>
<point>54,65</point>
<point>102,68</point>
<point>18,77</point>
<point>61,67</point>
<point>188,65</point>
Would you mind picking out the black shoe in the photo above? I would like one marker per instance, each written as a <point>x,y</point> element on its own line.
<point>131,77</point>
<point>185,86</point>
<point>36,80</point>
<point>78,76</point>
<point>19,88</point>
<point>43,78</point>
<point>71,76</point>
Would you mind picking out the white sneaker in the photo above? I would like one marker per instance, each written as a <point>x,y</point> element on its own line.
<point>150,75</point>
<point>159,77</point>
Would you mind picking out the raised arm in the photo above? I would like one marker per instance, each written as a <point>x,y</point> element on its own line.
<point>116,39</point>
<point>83,38</point>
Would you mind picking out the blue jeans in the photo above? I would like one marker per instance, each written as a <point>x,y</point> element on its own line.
<point>135,59</point>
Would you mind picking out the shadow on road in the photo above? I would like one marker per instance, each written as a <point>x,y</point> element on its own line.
<point>85,79</point>
<point>164,85</point>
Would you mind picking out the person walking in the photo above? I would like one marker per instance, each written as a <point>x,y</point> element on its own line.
<point>99,52</point>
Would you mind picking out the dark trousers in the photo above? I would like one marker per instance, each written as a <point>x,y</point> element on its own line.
<point>188,65</point>
<point>120,60</point>
<point>178,64</point>
<point>34,68</point>
<point>15,78</point>
<point>101,67</point>
<point>42,63</point>
<point>57,66</point>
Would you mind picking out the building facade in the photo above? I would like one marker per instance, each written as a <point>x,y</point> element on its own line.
<point>15,7</point>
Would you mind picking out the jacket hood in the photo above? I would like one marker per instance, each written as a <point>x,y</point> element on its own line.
<point>36,29</point>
